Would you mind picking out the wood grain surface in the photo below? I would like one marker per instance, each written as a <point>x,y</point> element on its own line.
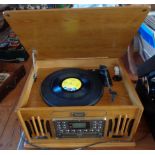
<point>57,44</point>
<point>73,33</point>
<point>35,99</point>
<point>10,128</point>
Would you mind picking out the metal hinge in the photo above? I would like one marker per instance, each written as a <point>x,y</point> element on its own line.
<point>34,53</point>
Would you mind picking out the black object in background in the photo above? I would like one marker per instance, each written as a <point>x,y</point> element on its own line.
<point>14,55</point>
<point>149,105</point>
<point>147,67</point>
<point>146,91</point>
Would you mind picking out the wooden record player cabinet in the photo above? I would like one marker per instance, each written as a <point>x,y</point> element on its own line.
<point>83,38</point>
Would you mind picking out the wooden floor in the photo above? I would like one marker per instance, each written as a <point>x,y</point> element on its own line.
<point>10,130</point>
<point>9,126</point>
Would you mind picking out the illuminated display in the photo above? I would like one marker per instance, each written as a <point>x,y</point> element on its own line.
<point>79,125</point>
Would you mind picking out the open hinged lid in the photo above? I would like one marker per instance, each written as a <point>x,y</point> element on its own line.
<point>75,33</point>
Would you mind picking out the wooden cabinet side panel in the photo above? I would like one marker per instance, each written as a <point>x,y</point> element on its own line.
<point>26,90</point>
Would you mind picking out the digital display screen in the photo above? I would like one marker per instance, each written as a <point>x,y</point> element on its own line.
<point>79,125</point>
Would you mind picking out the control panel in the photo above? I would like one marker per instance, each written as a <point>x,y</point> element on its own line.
<point>79,128</point>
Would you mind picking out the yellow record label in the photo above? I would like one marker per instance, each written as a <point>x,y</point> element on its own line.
<point>71,84</point>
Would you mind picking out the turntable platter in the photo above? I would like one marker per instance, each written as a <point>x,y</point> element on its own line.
<point>72,87</point>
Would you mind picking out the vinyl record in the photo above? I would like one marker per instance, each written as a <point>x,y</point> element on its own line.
<point>72,87</point>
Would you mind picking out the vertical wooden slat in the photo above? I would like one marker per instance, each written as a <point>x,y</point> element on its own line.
<point>35,126</point>
<point>53,129</point>
<point>106,128</point>
<point>126,129</point>
<point>40,126</point>
<point>48,125</point>
<point>24,126</point>
<point>118,124</point>
<point>31,127</point>
<point>46,132</point>
<point>45,126</point>
<point>123,125</point>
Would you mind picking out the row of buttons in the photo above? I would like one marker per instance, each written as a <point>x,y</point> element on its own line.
<point>78,131</point>
<point>93,122</point>
<point>95,127</point>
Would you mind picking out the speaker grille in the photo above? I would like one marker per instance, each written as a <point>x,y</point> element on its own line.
<point>38,128</point>
<point>121,126</point>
